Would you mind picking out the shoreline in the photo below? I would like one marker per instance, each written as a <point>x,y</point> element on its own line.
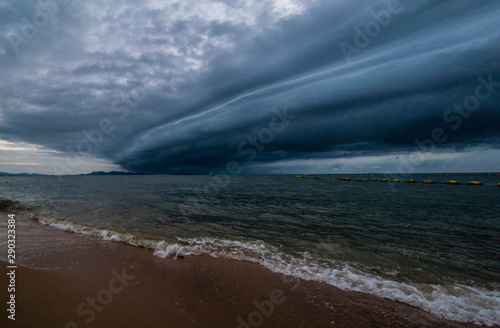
<point>82,281</point>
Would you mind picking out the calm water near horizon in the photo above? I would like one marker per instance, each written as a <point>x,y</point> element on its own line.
<point>433,246</point>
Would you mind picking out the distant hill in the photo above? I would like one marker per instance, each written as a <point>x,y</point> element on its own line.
<point>112,173</point>
<point>2,174</point>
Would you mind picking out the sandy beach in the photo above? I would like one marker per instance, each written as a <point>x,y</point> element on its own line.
<point>82,281</point>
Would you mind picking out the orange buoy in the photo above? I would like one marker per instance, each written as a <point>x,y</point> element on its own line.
<point>428,181</point>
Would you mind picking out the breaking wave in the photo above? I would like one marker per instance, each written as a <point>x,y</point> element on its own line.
<point>457,302</point>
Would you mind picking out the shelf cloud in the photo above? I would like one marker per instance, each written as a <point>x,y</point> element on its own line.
<point>276,86</point>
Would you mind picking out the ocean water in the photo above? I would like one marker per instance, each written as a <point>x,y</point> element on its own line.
<point>435,246</point>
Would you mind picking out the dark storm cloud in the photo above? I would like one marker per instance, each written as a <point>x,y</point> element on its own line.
<point>189,88</point>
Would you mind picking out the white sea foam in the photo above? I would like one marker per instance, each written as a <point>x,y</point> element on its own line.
<point>458,302</point>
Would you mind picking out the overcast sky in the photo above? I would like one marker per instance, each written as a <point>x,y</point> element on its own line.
<point>250,86</point>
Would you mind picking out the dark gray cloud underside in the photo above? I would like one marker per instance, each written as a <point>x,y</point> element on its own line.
<point>189,95</point>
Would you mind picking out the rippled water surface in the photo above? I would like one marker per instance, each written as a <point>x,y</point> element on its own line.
<point>436,246</point>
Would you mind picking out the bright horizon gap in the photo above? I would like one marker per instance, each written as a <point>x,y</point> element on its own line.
<point>297,173</point>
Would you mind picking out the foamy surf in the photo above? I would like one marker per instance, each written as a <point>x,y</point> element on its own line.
<point>457,302</point>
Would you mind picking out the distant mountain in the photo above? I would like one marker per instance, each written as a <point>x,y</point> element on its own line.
<point>112,173</point>
<point>3,174</point>
<point>6,174</point>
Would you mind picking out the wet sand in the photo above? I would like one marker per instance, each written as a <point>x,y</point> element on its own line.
<point>70,280</point>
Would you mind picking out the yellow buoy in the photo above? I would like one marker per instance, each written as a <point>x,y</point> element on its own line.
<point>383,180</point>
<point>362,180</point>
<point>396,180</point>
<point>428,181</point>
<point>452,182</point>
<point>374,179</point>
<point>474,183</point>
<point>345,179</point>
<point>411,181</point>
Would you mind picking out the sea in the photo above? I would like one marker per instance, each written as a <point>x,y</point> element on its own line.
<point>434,246</point>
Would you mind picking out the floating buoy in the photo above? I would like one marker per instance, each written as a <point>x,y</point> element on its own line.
<point>428,181</point>
<point>374,179</point>
<point>411,181</point>
<point>395,180</point>
<point>383,180</point>
<point>498,185</point>
<point>337,178</point>
<point>474,183</point>
<point>452,182</point>
<point>362,180</point>
<point>345,179</point>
